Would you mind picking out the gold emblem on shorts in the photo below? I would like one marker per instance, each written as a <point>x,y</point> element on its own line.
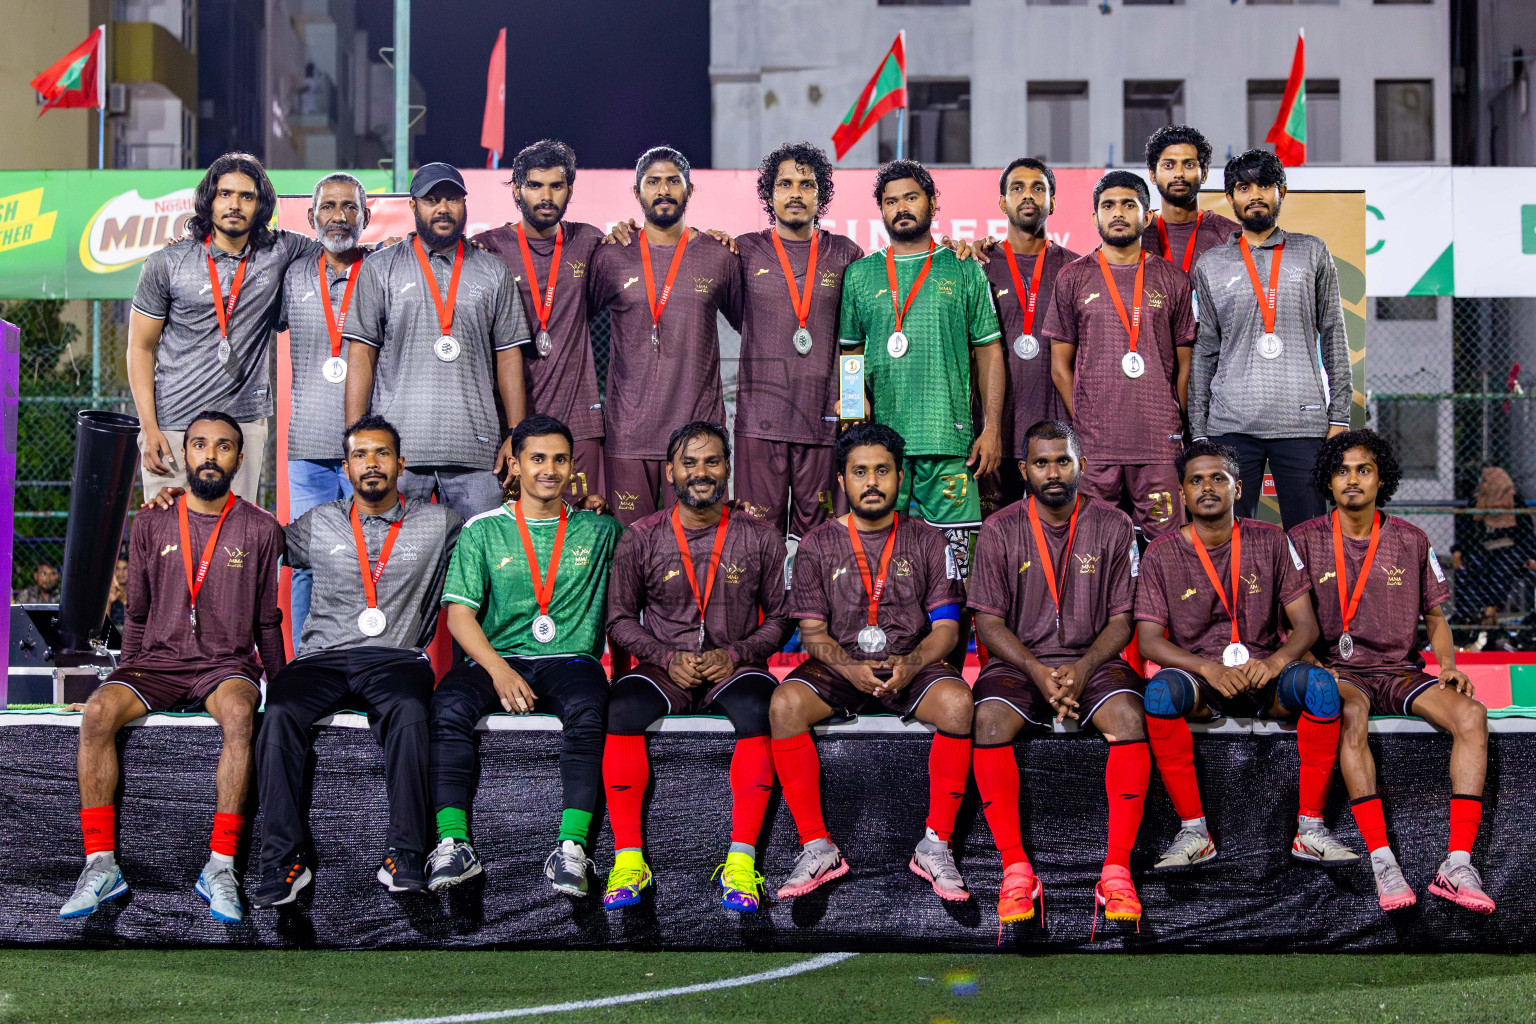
<point>1191,592</point>
<point>626,500</point>
<point>1087,564</point>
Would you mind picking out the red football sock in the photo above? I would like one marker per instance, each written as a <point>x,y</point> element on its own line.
<point>1125,781</point>
<point>626,770</point>
<point>1175,749</point>
<point>751,785</point>
<point>997,779</point>
<point>99,826</point>
<point>1466,815</point>
<point>949,765</point>
<point>1317,742</point>
<point>1371,821</point>
<point>226,833</point>
<point>800,775</point>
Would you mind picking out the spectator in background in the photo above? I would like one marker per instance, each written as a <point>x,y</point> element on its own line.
<point>117,604</point>
<point>1496,549</point>
<point>44,588</point>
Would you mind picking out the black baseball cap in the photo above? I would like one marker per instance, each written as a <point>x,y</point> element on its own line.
<point>429,175</point>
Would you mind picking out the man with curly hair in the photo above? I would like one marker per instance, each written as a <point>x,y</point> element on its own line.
<point>1179,158</point>
<point>1373,576</point>
<point>786,388</point>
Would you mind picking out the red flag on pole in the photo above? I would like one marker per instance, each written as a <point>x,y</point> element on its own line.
<point>885,92</point>
<point>1289,132</point>
<point>77,79</point>
<point>493,129</point>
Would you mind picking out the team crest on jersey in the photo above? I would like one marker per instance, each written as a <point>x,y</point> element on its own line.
<point>1253,583</point>
<point>828,279</point>
<point>734,573</point>
<point>1394,575</point>
<point>236,558</point>
<point>626,500</point>
<point>670,574</point>
<point>578,268</point>
<point>703,284</point>
<point>1087,564</point>
<point>901,566</point>
<point>1191,592</point>
<point>581,555</point>
<point>1155,300</point>
<point>947,287</point>
<point>168,549</point>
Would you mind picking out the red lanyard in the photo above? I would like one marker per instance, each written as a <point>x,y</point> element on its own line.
<point>334,324</point>
<point>1034,283</point>
<point>1266,301</point>
<point>1044,553</point>
<point>1210,571</point>
<point>666,288</point>
<point>1347,607</point>
<point>444,308</point>
<point>1189,246</point>
<point>225,308</point>
<point>543,590</point>
<point>801,303</point>
<point>540,309</point>
<point>371,578</point>
<point>1133,322</point>
<point>900,309</point>
<point>876,586</point>
<point>714,560</point>
<point>195,582</point>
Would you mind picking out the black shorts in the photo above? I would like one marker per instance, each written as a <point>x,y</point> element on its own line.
<point>1391,691</point>
<point>999,680</point>
<point>690,702</point>
<point>848,700</point>
<point>181,689</point>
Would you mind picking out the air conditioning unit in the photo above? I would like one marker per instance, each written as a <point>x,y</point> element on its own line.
<point>117,99</point>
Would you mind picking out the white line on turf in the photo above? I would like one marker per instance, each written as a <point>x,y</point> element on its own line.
<point>815,963</point>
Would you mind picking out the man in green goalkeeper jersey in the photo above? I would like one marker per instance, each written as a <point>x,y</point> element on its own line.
<point>525,594</point>
<point>919,314</point>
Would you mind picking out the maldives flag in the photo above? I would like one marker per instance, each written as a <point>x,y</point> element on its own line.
<point>493,127</point>
<point>885,92</point>
<point>77,79</point>
<point>1289,133</point>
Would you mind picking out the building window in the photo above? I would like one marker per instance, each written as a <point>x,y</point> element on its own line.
<point>938,123</point>
<point>1149,105</point>
<point>1324,133</point>
<point>1413,427</point>
<point>1405,120</point>
<point>1058,122</point>
<point>1406,307</point>
<point>923,3</point>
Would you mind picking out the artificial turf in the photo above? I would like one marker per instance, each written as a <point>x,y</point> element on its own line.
<point>354,987</point>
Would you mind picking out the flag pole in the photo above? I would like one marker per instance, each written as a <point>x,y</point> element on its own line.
<point>402,55</point>
<point>101,163</point>
<point>901,114</point>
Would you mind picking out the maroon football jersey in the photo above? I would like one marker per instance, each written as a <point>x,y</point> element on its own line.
<point>562,384</point>
<point>1097,579</point>
<point>828,586</point>
<point>1175,592</point>
<point>782,395</point>
<point>654,389</point>
<point>652,612</point>
<point>1120,420</point>
<point>1214,230</point>
<point>1032,396</point>
<point>1406,582</point>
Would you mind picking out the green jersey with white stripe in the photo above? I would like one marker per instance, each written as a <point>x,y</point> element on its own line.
<point>489,573</point>
<point>925,394</point>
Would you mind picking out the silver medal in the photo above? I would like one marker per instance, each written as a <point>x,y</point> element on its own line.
<point>225,352</point>
<point>871,639</point>
<point>334,369</point>
<point>1346,646</point>
<point>1270,346</point>
<point>544,343</point>
<point>1133,364</point>
<point>803,341</point>
<point>1025,346</point>
<point>193,618</point>
<point>896,346</point>
<point>446,348</point>
<point>543,629</point>
<point>371,622</point>
<point>1234,655</point>
<point>655,339</point>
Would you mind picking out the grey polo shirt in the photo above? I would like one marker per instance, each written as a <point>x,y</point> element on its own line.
<point>174,287</point>
<point>445,411</point>
<point>1233,389</point>
<point>409,588</point>
<point>316,407</point>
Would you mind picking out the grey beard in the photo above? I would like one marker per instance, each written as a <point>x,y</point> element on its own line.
<point>336,246</point>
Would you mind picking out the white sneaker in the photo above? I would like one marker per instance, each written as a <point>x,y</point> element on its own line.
<point>1320,846</point>
<point>1189,848</point>
<point>100,881</point>
<point>220,887</point>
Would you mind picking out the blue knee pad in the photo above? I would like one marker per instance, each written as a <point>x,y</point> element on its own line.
<point>1170,694</point>
<point>1305,687</point>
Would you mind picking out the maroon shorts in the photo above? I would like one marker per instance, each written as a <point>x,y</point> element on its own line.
<point>847,699</point>
<point>637,487</point>
<point>587,471</point>
<point>689,702</point>
<point>1391,691</point>
<point>1001,681</point>
<point>1154,490</point>
<point>180,689</point>
<point>788,485</point>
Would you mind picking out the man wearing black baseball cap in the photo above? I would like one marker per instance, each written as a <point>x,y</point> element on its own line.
<point>435,332</point>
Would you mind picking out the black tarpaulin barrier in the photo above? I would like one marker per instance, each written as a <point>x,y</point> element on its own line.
<point>1253,898</point>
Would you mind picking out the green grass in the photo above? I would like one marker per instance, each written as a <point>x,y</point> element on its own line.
<point>343,988</point>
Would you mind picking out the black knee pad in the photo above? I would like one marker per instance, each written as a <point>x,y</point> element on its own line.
<point>1171,693</point>
<point>1310,689</point>
<point>633,705</point>
<point>745,702</point>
